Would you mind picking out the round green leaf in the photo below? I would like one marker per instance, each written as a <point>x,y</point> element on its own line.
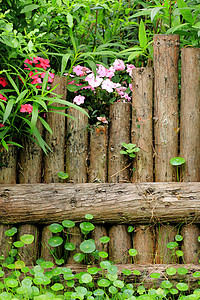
<point>55,241</point>
<point>171,271</point>
<point>113,290</point>
<point>70,246</point>
<point>177,161</point>
<point>132,252</point>
<point>87,226</point>
<point>59,261</point>
<point>27,239</point>
<point>104,239</point>
<point>126,272</point>
<point>118,283</point>
<point>18,244</point>
<point>105,264</point>
<point>155,275</point>
<point>47,264</point>
<point>11,283</point>
<point>182,286</point>
<point>25,269</point>
<point>103,282</point>
<point>86,278</point>
<point>19,264</point>
<point>57,287</point>
<point>112,269</point>
<point>172,245</point>
<point>196,274</point>
<point>68,223</point>
<point>81,290</point>
<point>182,271</point>
<point>173,291</point>
<point>130,229</point>
<point>27,282</point>
<point>78,257</point>
<point>63,175</point>
<point>87,246</point>
<point>89,216</point>
<point>11,232</point>
<point>70,283</point>
<point>103,254</point>
<point>55,228</point>
<point>179,253</point>
<point>98,292</point>
<point>93,271</point>
<point>136,272</point>
<point>166,284</point>
<point>178,238</point>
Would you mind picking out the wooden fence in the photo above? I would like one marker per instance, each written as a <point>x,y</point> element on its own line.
<point>162,123</point>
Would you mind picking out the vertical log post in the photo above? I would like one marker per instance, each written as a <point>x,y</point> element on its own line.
<point>30,163</point>
<point>99,232</point>
<point>119,245</point>
<point>29,253</point>
<point>98,154</point>
<point>119,132</point>
<point>141,129</point>
<point>190,113</point>
<point>54,162</point>
<point>77,146</point>
<point>143,242</point>
<point>8,175</point>
<point>75,238</point>
<point>8,165</point>
<point>118,171</point>
<point>190,245</point>
<point>166,53</point>
<point>165,234</point>
<point>46,249</point>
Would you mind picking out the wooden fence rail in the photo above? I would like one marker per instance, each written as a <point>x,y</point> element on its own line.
<point>161,122</point>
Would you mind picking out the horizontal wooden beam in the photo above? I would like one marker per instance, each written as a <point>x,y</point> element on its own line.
<point>126,203</point>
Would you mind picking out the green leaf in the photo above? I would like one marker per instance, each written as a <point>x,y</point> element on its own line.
<point>63,175</point>
<point>171,271</point>
<point>11,232</point>
<point>55,241</point>
<point>166,284</point>
<point>154,12</point>
<point>134,55</point>
<point>177,161</point>
<point>27,239</point>
<point>55,228</point>
<point>142,35</point>
<point>21,96</point>
<point>104,239</point>
<point>103,282</point>
<point>45,124</point>
<point>8,110</point>
<point>78,257</point>
<point>44,83</point>
<point>68,223</point>
<point>185,11</point>
<point>89,217</point>
<point>18,244</point>
<point>34,116</point>
<point>182,271</point>
<point>11,283</point>
<point>132,252</point>
<point>70,246</point>
<point>29,8</point>
<point>65,59</point>
<point>87,246</point>
<point>182,286</point>
<point>47,264</point>
<point>70,20</point>
<point>172,245</point>
<point>87,226</point>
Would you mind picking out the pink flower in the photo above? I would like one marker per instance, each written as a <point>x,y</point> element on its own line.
<point>102,71</point>
<point>79,100</point>
<point>1,125</point>
<point>102,119</point>
<point>44,63</point>
<point>50,77</point>
<point>108,85</point>
<point>81,71</point>
<point>29,62</point>
<point>119,65</point>
<point>129,69</point>
<point>26,108</point>
<point>3,82</point>
<point>2,97</point>
<point>93,81</point>
<point>131,87</point>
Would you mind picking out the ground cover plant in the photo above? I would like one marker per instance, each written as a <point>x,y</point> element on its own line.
<point>46,280</point>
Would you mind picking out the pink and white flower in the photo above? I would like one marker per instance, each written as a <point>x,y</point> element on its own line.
<point>119,65</point>
<point>129,69</point>
<point>3,98</point>
<point>102,119</point>
<point>26,108</point>
<point>79,100</point>
<point>94,81</point>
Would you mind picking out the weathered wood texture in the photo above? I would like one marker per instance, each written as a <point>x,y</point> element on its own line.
<point>30,161</point>
<point>190,113</point>
<point>119,132</point>
<point>190,244</point>
<point>120,243</point>
<point>54,162</point>
<point>166,54</point>
<point>29,253</point>
<point>8,165</point>
<point>141,129</point>
<point>144,243</point>
<point>111,203</point>
<point>5,241</point>
<point>77,146</point>
<point>46,249</point>
<point>165,234</point>
<point>98,154</point>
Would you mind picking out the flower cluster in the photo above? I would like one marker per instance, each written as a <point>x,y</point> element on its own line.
<point>100,89</point>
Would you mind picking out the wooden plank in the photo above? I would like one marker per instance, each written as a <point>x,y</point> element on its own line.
<point>77,146</point>
<point>112,203</point>
<point>8,165</point>
<point>166,54</point>
<point>190,244</point>
<point>119,132</point>
<point>54,161</point>
<point>142,129</point>
<point>190,113</point>
<point>98,154</point>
